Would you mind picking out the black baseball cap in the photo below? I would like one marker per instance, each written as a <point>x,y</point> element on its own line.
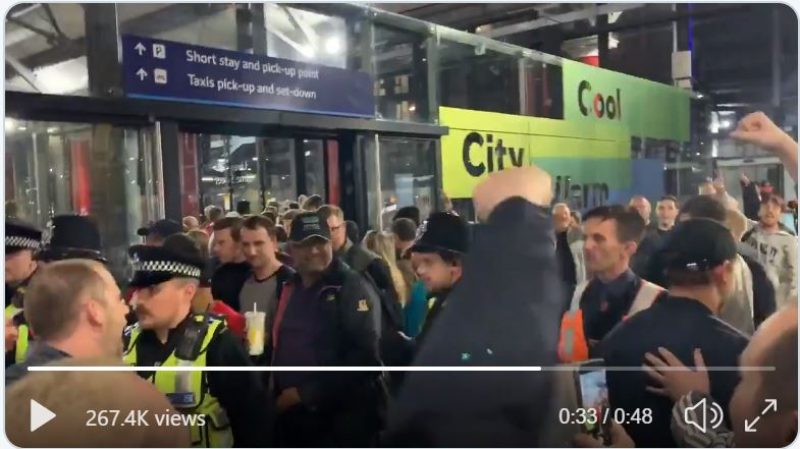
<point>697,245</point>
<point>309,225</point>
<point>161,228</point>
<point>442,231</point>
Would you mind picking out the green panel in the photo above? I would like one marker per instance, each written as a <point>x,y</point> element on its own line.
<point>642,108</point>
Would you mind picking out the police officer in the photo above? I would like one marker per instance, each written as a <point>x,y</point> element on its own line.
<point>438,259</point>
<point>72,237</point>
<point>22,241</point>
<point>168,334</point>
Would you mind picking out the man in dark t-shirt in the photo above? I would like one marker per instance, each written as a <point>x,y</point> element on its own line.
<point>699,263</point>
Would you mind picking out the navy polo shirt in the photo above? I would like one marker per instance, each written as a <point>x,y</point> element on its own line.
<point>679,325</point>
<point>604,304</point>
<point>298,335</point>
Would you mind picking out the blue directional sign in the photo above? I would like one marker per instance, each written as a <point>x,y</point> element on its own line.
<point>166,70</point>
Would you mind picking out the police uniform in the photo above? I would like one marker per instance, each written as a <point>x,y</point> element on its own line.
<point>235,404</point>
<point>72,237</point>
<point>20,236</point>
<point>443,232</point>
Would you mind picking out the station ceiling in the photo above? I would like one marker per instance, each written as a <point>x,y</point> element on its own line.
<point>734,56</point>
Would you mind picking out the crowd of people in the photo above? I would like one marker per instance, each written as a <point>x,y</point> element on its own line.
<point>530,284</point>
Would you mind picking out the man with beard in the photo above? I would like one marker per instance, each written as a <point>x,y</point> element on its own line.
<point>326,317</point>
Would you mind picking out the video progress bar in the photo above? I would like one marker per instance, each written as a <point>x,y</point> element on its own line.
<point>278,369</point>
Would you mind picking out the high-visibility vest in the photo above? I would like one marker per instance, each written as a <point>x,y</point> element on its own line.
<point>11,311</point>
<point>196,399</point>
<point>23,343</point>
<point>572,344</point>
<point>23,334</point>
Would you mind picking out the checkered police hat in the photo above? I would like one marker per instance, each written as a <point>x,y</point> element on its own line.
<point>21,235</point>
<point>179,257</point>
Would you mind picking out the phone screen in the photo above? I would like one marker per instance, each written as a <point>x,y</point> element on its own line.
<point>593,392</point>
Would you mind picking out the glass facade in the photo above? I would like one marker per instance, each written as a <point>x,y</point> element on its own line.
<point>401,84</point>
<point>206,24</point>
<point>308,36</point>
<point>416,68</point>
<point>107,172</point>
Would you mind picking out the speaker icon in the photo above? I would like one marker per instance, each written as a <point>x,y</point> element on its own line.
<point>698,415</point>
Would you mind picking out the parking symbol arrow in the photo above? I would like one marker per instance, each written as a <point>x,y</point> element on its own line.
<point>141,74</point>
<point>140,48</point>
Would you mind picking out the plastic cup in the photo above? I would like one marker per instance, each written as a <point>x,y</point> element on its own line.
<point>255,332</point>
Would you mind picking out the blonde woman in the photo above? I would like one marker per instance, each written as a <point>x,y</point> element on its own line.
<point>382,244</point>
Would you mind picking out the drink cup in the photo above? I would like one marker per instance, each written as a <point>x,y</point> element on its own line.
<point>255,332</point>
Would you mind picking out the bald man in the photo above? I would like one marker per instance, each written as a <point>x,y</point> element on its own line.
<point>642,205</point>
<point>649,242</point>
<point>569,250</point>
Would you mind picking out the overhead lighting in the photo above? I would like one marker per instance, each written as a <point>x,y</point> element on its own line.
<point>307,51</point>
<point>412,108</point>
<point>10,125</point>
<point>308,153</point>
<point>333,45</point>
<point>725,124</point>
<point>22,128</point>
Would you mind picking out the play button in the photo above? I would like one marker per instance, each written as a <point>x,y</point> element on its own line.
<point>40,415</point>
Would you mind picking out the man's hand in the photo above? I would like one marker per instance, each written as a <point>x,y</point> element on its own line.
<point>288,399</point>
<point>744,179</point>
<point>675,378</point>
<point>758,129</point>
<point>11,335</point>
<point>619,438</point>
<point>531,183</point>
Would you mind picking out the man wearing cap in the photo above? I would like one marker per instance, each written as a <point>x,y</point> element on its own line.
<point>22,241</point>
<point>438,259</point>
<point>167,334</point>
<point>326,316</point>
<point>156,233</point>
<point>699,258</point>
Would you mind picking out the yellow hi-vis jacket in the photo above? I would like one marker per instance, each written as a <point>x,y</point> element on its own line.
<point>188,391</point>
<point>23,334</point>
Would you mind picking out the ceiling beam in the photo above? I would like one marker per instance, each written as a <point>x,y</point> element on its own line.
<point>559,19</point>
<point>150,24</point>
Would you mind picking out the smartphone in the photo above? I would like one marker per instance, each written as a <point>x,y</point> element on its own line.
<point>593,394</point>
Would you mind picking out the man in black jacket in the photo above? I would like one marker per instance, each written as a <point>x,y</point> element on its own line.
<point>699,260</point>
<point>232,269</point>
<point>376,272</point>
<point>755,299</point>
<point>326,317</point>
<point>504,312</point>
